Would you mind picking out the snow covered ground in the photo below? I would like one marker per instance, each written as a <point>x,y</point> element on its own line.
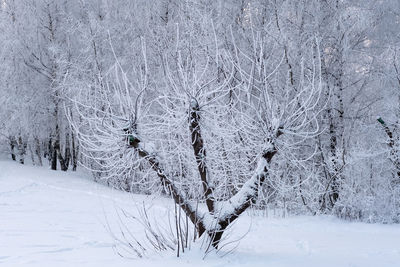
<point>54,219</point>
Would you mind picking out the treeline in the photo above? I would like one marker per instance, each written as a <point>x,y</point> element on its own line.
<point>207,87</point>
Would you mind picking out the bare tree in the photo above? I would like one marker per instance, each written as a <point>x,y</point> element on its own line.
<point>267,119</point>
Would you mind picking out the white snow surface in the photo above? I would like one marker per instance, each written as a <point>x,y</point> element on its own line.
<point>52,218</point>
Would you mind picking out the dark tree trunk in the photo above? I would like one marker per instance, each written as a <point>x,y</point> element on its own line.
<point>52,155</point>
<point>200,152</point>
<point>53,159</point>
<point>57,153</point>
<point>21,150</point>
<point>67,153</point>
<point>12,146</point>
<point>334,194</point>
<point>63,163</point>
<point>74,153</point>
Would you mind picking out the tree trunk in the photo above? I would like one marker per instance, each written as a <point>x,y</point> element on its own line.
<point>67,152</point>
<point>21,150</point>
<point>12,146</point>
<point>53,155</point>
<point>200,152</point>
<point>37,151</point>
<point>63,163</point>
<point>74,153</point>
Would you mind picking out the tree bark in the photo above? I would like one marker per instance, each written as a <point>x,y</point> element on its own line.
<point>74,153</point>
<point>21,150</point>
<point>200,153</point>
<point>53,156</point>
<point>178,197</point>
<point>12,146</point>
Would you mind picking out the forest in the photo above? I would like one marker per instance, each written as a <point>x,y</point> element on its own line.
<point>229,105</point>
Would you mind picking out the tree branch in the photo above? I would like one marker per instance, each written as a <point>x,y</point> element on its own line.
<point>179,198</point>
<point>200,152</point>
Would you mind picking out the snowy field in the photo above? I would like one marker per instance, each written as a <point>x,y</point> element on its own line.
<point>55,219</point>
